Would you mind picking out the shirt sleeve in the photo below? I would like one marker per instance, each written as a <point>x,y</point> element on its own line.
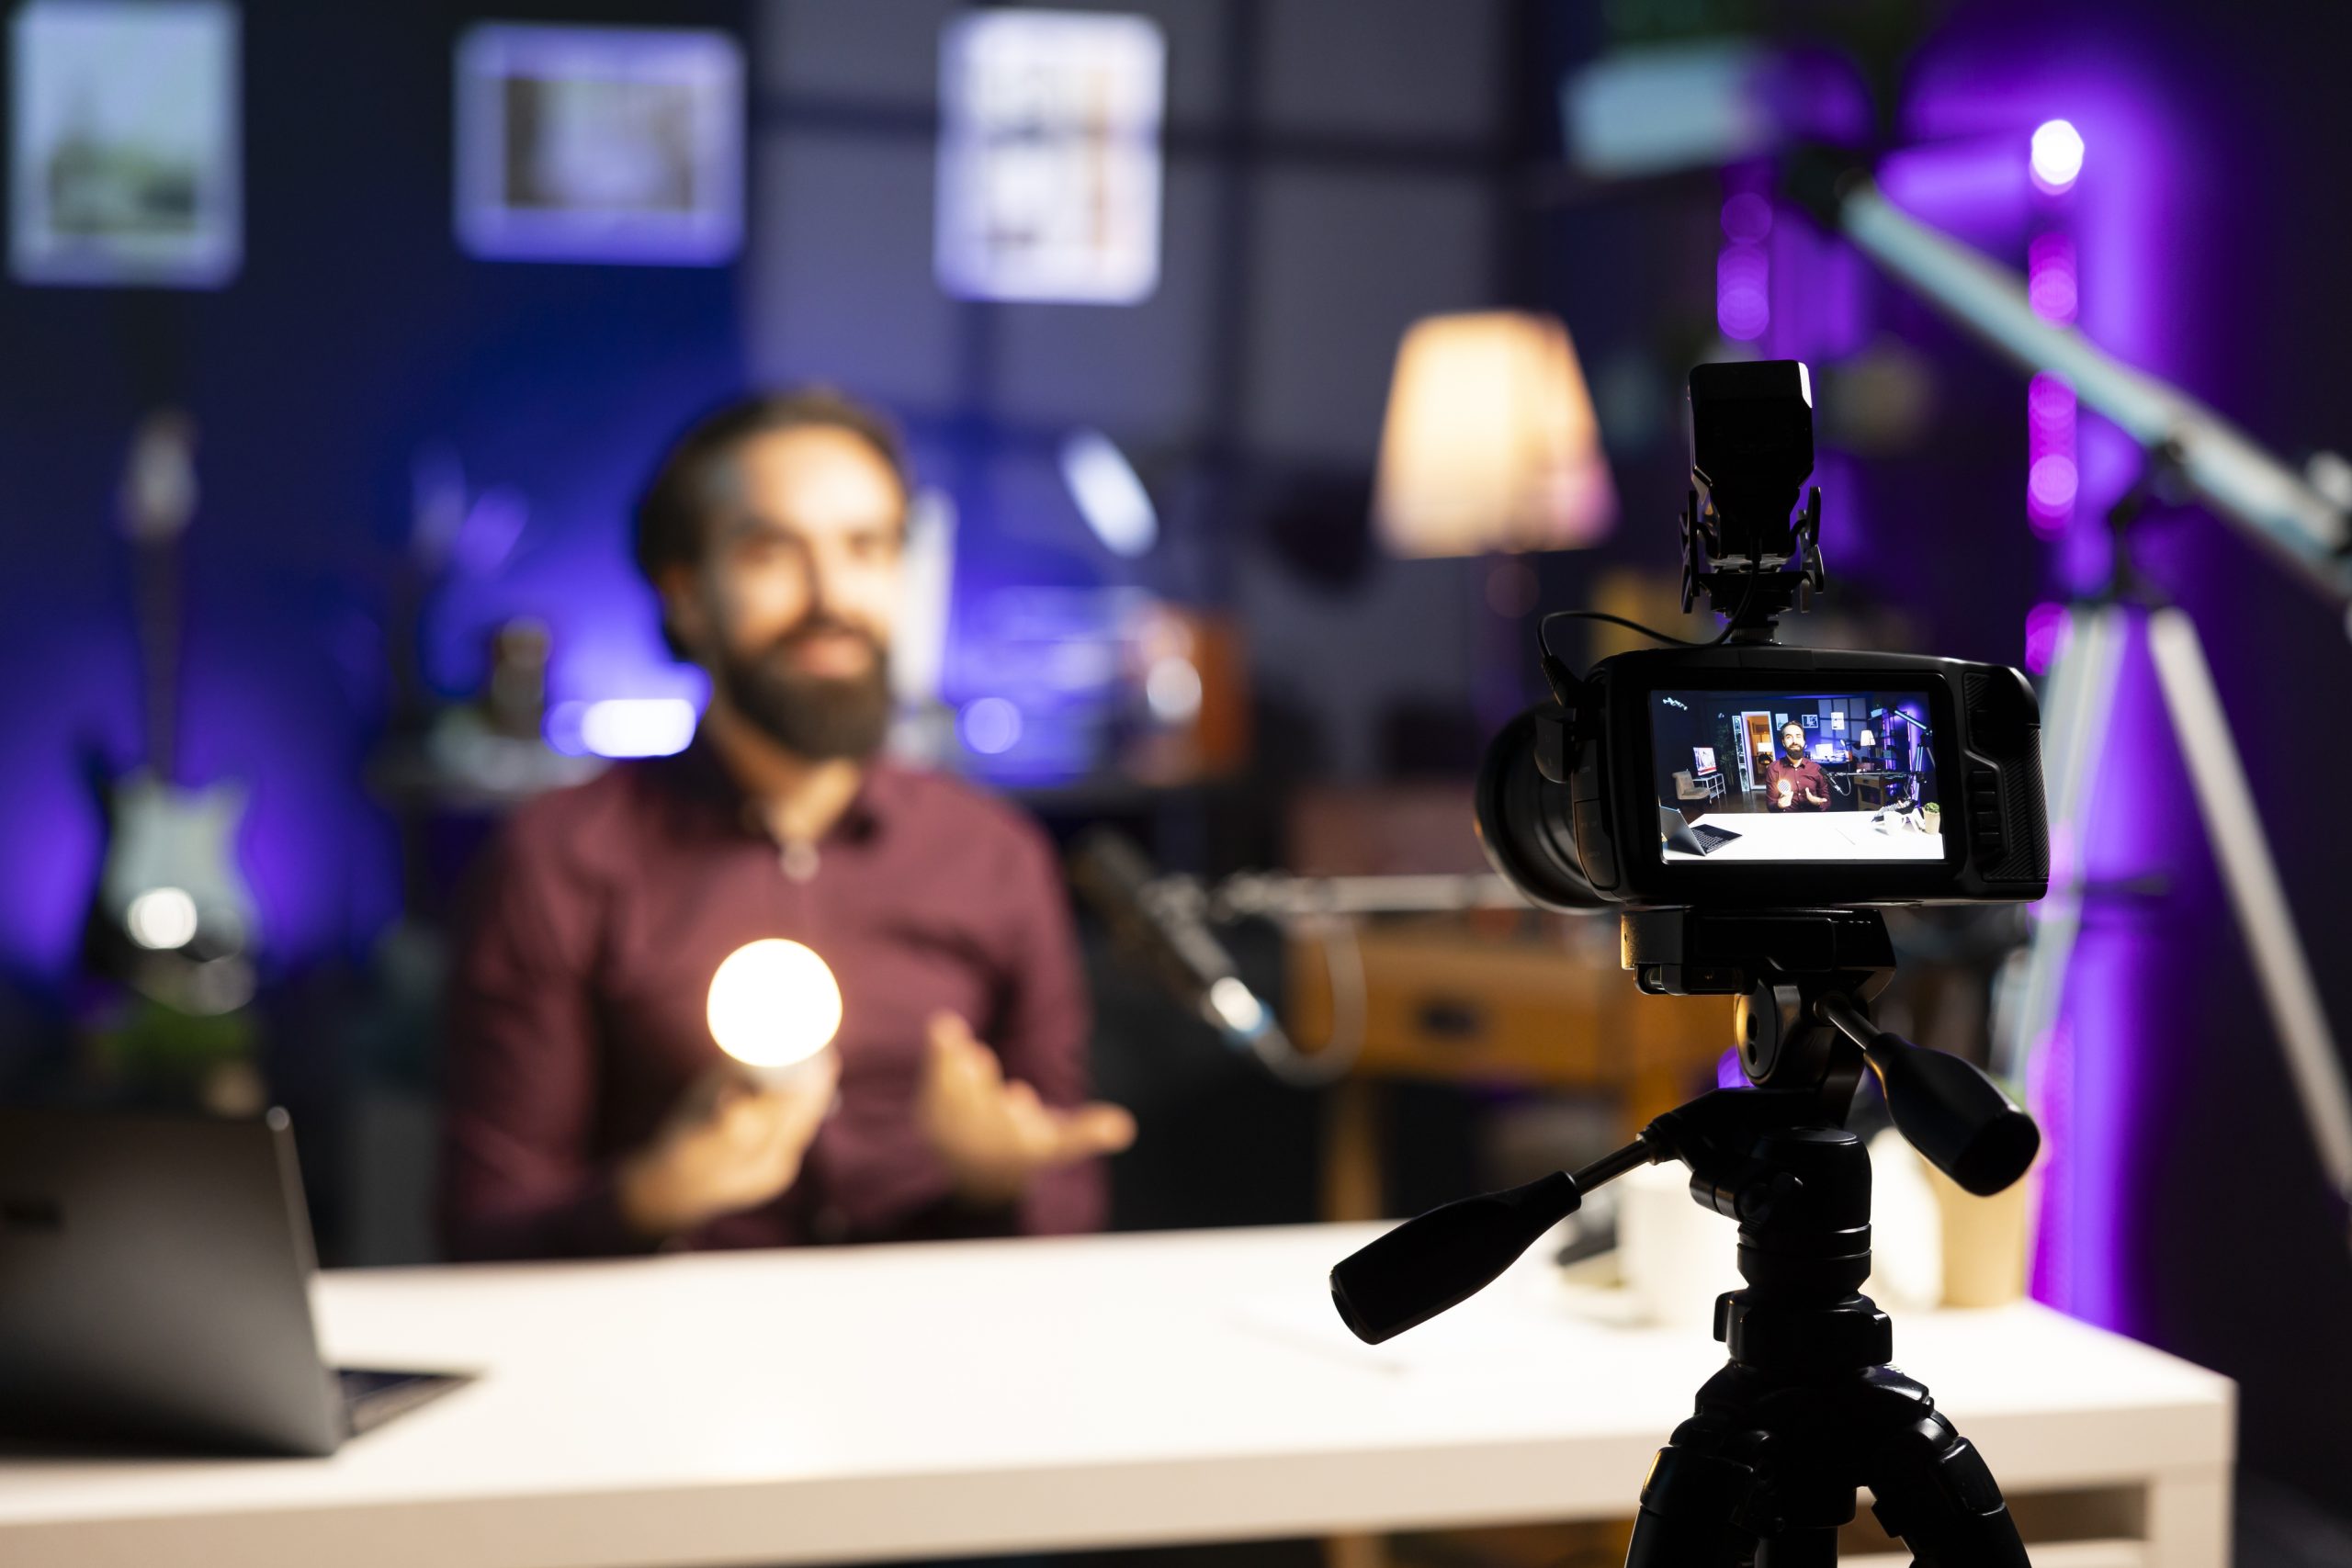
<point>1042,1031</point>
<point>518,1176</point>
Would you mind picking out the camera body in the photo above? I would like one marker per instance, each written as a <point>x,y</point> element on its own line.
<point>1669,778</point>
<point>1742,775</point>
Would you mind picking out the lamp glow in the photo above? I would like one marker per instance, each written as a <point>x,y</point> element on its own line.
<point>1490,442</point>
<point>2057,155</point>
<point>774,1005</point>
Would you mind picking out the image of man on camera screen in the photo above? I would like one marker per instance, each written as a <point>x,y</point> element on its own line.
<point>1793,781</point>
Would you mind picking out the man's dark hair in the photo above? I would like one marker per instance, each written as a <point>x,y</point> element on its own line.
<point>673,510</point>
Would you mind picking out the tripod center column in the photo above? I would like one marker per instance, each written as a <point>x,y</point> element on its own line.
<point>1805,1252</point>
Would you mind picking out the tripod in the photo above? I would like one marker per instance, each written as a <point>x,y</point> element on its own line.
<point>1808,1408</point>
<point>2083,682</point>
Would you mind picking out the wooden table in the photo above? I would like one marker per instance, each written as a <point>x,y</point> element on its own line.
<point>1444,1000</point>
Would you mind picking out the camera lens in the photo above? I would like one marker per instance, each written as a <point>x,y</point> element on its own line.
<point>1524,825</point>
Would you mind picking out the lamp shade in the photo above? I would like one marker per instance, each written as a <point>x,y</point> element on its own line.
<point>1490,442</point>
<point>1866,739</point>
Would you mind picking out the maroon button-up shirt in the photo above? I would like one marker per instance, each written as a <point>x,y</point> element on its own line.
<point>577,1014</point>
<point>1804,775</point>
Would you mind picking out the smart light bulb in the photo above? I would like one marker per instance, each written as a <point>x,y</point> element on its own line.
<point>774,1005</point>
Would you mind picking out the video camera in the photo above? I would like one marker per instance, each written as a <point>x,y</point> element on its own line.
<point>1745,775</point>
<point>1813,781</point>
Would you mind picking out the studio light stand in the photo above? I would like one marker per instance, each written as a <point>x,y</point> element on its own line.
<point>2193,452</point>
<point>2084,681</point>
<point>1809,1407</point>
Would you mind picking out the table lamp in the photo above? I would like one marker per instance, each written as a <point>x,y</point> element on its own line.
<point>774,1007</point>
<point>1490,442</point>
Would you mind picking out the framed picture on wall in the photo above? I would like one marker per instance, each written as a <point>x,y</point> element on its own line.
<point>1049,157</point>
<point>124,160</point>
<point>599,145</point>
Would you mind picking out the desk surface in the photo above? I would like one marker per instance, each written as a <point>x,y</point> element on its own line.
<point>1812,836</point>
<point>961,1398</point>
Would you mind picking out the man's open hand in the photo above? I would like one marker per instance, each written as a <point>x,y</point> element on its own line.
<point>995,1135</point>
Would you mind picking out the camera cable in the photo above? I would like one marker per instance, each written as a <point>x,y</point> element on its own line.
<point>1563,680</point>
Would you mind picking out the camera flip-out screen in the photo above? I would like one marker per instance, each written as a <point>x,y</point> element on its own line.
<point>1795,776</point>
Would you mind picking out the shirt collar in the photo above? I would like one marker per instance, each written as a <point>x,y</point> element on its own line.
<point>700,775</point>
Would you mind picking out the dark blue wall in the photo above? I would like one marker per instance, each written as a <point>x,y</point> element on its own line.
<point>356,333</point>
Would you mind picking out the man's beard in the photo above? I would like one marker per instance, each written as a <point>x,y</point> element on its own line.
<point>820,717</point>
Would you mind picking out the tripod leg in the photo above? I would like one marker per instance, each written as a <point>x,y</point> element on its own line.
<point>2082,702</point>
<point>1812,1547</point>
<point>1934,1491</point>
<point>1689,1503</point>
<point>2256,897</point>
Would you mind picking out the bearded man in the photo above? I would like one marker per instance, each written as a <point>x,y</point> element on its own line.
<point>1792,781</point>
<point>578,1118</point>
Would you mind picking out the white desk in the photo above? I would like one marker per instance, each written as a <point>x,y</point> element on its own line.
<point>1812,835</point>
<point>996,1396</point>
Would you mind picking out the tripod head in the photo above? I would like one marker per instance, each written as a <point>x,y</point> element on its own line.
<point>1805,979</point>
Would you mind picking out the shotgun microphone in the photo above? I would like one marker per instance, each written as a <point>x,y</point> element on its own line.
<point>1161,919</point>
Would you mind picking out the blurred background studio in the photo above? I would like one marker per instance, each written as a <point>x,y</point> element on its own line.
<point>401,402</point>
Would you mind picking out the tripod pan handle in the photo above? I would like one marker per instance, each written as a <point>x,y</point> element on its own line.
<point>1445,1256</point>
<point>1951,1113</point>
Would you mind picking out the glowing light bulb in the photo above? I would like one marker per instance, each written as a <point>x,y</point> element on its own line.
<point>162,918</point>
<point>2057,155</point>
<point>774,1005</point>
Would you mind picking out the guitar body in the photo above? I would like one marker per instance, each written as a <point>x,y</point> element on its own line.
<point>164,839</point>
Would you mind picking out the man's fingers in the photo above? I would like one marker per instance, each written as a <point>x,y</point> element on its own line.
<point>1090,1130</point>
<point>789,1115</point>
<point>955,1051</point>
<point>948,1031</point>
<point>810,1095</point>
<point>793,1106</point>
<point>1049,1135</point>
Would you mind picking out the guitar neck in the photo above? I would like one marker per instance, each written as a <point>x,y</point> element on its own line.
<point>158,614</point>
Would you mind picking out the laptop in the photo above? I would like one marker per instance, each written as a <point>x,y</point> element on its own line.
<point>1691,838</point>
<point>154,1289</point>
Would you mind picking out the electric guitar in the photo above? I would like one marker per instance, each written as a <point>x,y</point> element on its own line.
<point>173,917</point>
